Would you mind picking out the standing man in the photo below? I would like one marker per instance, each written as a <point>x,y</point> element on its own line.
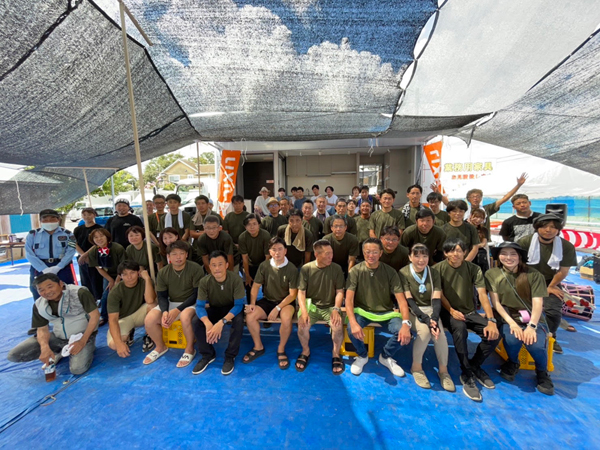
<point>254,248</point>
<point>386,216</point>
<point>299,197</point>
<point>212,240</point>
<point>459,229</point>
<point>50,249</point>
<point>160,202</point>
<point>341,209</point>
<point>320,296</point>
<point>435,202</point>
<point>520,225</point>
<point>91,279</point>
<point>362,223</point>
<point>260,204</point>
<point>118,225</point>
<point>202,212</point>
<point>233,224</point>
<point>175,218</point>
<point>394,254</point>
<point>298,240</point>
<point>425,232</point>
<point>344,245</point>
<point>551,255</point>
<point>366,198</point>
<point>331,198</point>
<point>309,221</point>
<point>273,220</point>
<point>459,315</point>
<point>369,292</point>
<point>413,206</point>
<point>321,213</point>
<point>282,194</point>
<point>315,190</point>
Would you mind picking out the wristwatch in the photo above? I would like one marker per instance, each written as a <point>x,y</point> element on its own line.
<point>491,319</point>
<point>224,320</point>
<point>339,310</point>
<point>407,322</point>
<point>278,308</point>
<point>532,325</point>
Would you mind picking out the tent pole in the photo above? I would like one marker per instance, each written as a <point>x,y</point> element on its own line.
<point>198,155</point>
<point>136,141</point>
<point>87,188</point>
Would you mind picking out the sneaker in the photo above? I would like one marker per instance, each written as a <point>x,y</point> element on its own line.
<point>228,366</point>
<point>557,348</point>
<point>148,344</point>
<point>391,364</point>
<point>544,383</point>
<point>470,388</point>
<point>129,340</point>
<point>447,382</point>
<point>509,369</point>
<point>202,365</point>
<point>358,364</point>
<point>483,378</point>
<point>421,379</point>
<point>32,332</point>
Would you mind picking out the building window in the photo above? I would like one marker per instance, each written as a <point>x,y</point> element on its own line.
<point>372,176</point>
<point>174,178</point>
<point>190,176</point>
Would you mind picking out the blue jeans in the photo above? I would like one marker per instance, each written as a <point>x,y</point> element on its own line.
<point>392,345</point>
<point>537,350</point>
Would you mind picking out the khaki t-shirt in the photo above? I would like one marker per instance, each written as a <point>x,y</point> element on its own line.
<point>374,288</point>
<point>380,219</point>
<point>343,249</point>
<point>409,284</point>
<point>315,226</point>
<point>205,245</point>
<point>457,284</point>
<point>257,248</point>
<point>569,258</point>
<point>179,285</point>
<point>466,232</point>
<point>141,256</point>
<point>321,284</point>
<point>221,294</point>
<point>116,256</point>
<point>362,229</point>
<point>124,300</point>
<point>397,259</point>
<point>434,240</point>
<point>187,222</point>
<point>294,255</point>
<point>234,225</point>
<point>272,224</point>
<point>350,229</point>
<point>276,282</point>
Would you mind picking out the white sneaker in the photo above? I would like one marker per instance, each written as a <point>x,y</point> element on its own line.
<point>358,364</point>
<point>392,365</point>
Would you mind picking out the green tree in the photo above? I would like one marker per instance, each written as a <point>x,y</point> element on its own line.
<point>157,165</point>
<point>205,158</point>
<point>123,180</point>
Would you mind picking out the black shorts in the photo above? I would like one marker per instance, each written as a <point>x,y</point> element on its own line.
<point>266,305</point>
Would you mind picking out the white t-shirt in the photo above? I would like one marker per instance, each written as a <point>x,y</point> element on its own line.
<point>261,203</point>
<point>331,201</point>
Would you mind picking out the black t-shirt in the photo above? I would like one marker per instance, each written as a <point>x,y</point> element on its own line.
<point>515,228</point>
<point>82,234</point>
<point>118,226</point>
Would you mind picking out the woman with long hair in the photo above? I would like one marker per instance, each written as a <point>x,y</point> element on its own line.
<point>166,237</point>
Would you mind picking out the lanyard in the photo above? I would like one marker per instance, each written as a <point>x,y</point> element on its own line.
<point>421,281</point>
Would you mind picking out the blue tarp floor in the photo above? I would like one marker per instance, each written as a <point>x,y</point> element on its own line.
<point>120,403</point>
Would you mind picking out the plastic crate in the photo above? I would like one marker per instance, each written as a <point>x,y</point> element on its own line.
<point>527,362</point>
<point>173,337</point>
<point>349,350</point>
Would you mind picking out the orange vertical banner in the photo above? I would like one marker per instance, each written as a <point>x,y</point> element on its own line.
<point>433,153</point>
<point>230,160</point>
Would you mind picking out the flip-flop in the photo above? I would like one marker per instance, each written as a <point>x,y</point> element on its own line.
<point>571,329</point>
<point>284,359</point>
<point>252,355</point>
<point>337,363</point>
<point>153,356</point>
<point>186,359</point>
<point>303,361</point>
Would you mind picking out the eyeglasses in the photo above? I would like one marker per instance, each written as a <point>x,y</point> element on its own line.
<point>211,228</point>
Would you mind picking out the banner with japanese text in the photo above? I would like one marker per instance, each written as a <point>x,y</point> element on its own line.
<point>230,160</point>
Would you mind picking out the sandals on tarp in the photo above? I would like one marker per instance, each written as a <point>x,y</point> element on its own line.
<point>337,363</point>
<point>252,355</point>
<point>302,362</point>
<point>186,359</point>
<point>153,356</point>
<point>282,358</point>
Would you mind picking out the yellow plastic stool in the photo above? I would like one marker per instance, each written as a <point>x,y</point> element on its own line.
<point>173,337</point>
<point>527,362</point>
<point>348,350</point>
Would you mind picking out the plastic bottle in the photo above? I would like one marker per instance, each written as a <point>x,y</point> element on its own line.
<point>50,370</point>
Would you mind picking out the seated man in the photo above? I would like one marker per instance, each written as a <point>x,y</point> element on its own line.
<point>427,233</point>
<point>274,220</point>
<point>386,216</point>
<point>320,296</point>
<point>71,310</point>
<point>341,209</point>
<point>128,303</point>
<point>459,315</point>
<point>298,240</point>
<point>309,221</point>
<point>176,288</point>
<point>203,211</point>
<point>369,292</point>
<point>213,239</point>
<point>254,248</point>
<point>457,228</point>
<point>394,254</point>
<point>224,292</point>
<point>279,281</point>
<point>344,245</point>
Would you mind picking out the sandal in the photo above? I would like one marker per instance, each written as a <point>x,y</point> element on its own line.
<point>336,363</point>
<point>302,362</point>
<point>282,358</point>
<point>153,356</point>
<point>571,329</point>
<point>186,359</point>
<point>252,355</point>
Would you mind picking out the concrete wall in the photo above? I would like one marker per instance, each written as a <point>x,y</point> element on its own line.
<point>398,172</point>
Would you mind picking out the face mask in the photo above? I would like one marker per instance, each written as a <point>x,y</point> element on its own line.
<point>51,226</point>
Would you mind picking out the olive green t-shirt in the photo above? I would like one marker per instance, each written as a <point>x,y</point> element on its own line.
<point>441,218</point>
<point>321,284</point>
<point>409,284</point>
<point>343,249</point>
<point>276,282</point>
<point>179,285</point>
<point>315,226</point>
<point>380,219</point>
<point>434,240</point>
<point>374,288</point>
<point>457,284</point>
<point>221,294</point>
<point>294,255</point>
<point>351,228</point>
<point>86,298</point>
<point>569,258</point>
<point>141,256</point>
<point>200,226</point>
<point>503,283</point>
<point>124,300</point>
<point>116,256</point>
<point>412,218</point>
<point>466,232</point>
<point>205,245</point>
<point>490,209</point>
<point>234,225</point>
<point>362,229</point>
<point>154,223</point>
<point>397,259</point>
<point>257,248</point>
<point>187,222</point>
<point>272,224</point>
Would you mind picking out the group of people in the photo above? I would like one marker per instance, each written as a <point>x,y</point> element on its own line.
<point>410,270</point>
